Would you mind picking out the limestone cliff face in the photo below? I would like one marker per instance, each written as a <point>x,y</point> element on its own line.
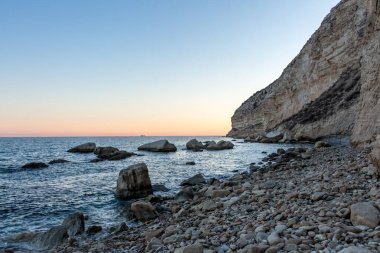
<point>331,87</point>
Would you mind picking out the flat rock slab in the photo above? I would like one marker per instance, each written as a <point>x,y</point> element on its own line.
<point>159,146</point>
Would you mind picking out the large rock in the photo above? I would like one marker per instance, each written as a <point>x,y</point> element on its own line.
<point>143,210</point>
<point>105,150</point>
<point>364,213</point>
<point>35,165</point>
<point>134,182</point>
<point>117,155</point>
<point>159,146</point>
<point>83,148</point>
<point>330,87</point>
<point>194,180</point>
<point>221,145</point>
<point>71,226</point>
<point>194,144</point>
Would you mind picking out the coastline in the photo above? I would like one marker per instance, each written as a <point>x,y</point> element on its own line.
<point>301,204</point>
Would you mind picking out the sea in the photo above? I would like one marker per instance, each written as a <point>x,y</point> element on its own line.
<point>37,199</point>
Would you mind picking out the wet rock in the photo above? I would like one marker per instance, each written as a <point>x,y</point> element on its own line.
<point>35,165</point>
<point>91,230</point>
<point>159,146</point>
<point>58,161</point>
<point>83,148</point>
<point>105,150</point>
<point>221,145</point>
<point>71,226</point>
<point>120,228</point>
<point>321,144</point>
<point>134,182</point>
<point>364,213</point>
<point>194,180</point>
<point>143,210</point>
<point>160,188</point>
<point>194,144</point>
<point>118,155</point>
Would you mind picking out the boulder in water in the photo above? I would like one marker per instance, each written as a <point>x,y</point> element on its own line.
<point>194,180</point>
<point>117,155</point>
<point>71,226</point>
<point>83,148</point>
<point>221,145</point>
<point>105,150</point>
<point>159,146</point>
<point>134,182</point>
<point>58,161</point>
<point>194,144</point>
<point>35,165</point>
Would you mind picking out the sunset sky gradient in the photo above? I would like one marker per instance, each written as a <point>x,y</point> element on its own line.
<point>170,67</point>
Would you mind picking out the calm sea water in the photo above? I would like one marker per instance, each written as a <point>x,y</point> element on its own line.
<point>38,199</point>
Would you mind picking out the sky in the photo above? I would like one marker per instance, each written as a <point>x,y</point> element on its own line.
<point>123,67</point>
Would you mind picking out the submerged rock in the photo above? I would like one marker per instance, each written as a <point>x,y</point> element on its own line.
<point>58,161</point>
<point>35,165</point>
<point>83,148</point>
<point>159,146</point>
<point>134,182</point>
<point>160,188</point>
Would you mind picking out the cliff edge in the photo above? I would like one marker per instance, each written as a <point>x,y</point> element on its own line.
<point>331,87</point>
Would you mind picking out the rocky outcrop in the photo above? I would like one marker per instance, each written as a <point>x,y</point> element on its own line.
<point>134,182</point>
<point>194,144</point>
<point>159,146</point>
<point>71,226</point>
<point>220,145</point>
<point>331,87</point>
<point>35,165</point>
<point>83,148</point>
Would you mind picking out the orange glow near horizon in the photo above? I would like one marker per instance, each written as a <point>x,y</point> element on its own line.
<point>114,128</point>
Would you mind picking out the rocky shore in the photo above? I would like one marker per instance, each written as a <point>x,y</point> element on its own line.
<point>322,199</point>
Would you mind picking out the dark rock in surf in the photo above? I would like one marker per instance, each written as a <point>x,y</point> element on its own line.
<point>35,165</point>
<point>83,148</point>
<point>134,182</point>
<point>159,146</point>
<point>58,161</point>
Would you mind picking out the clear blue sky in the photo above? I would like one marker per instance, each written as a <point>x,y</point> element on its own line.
<point>90,67</point>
